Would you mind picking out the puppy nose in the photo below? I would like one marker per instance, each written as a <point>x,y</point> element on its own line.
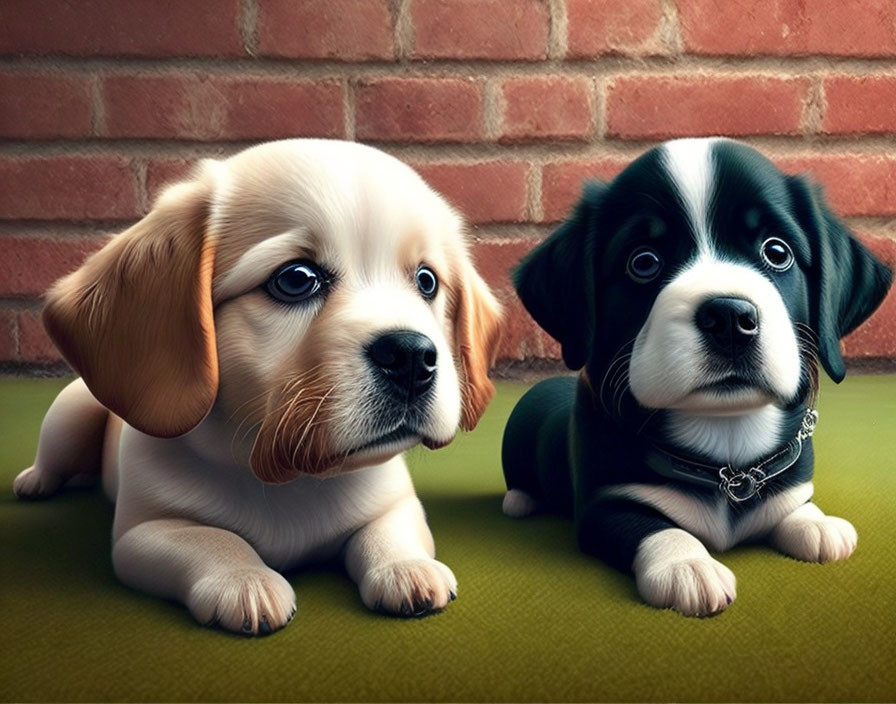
<point>406,360</point>
<point>729,324</point>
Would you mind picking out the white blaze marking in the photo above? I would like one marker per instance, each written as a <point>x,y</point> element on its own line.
<point>689,163</point>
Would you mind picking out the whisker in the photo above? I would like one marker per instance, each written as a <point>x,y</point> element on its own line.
<point>618,364</point>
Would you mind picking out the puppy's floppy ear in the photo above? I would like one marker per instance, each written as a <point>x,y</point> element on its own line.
<point>848,282</point>
<point>477,326</point>
<point>554,280</point>
<point>135,321</point>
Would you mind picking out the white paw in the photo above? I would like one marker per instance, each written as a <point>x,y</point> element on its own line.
<point>31,484</point>
<point>674,571</point>
<point>518,504</point>
<point>409,587</point>
<point>251,601</point>
<point>816,539</point>
<point>695,587</point>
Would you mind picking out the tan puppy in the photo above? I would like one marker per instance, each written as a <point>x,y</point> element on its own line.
<point>255,354</point>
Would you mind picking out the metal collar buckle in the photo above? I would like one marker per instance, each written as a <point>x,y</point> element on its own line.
<point>742,485</point>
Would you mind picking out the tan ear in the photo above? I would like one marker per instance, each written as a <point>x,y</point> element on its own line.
<point>478,332</point>
<point>135,321</point>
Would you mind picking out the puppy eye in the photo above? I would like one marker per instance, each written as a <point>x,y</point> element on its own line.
<point>427,282</point>
<point>776,253</point>
<point>643,265</point>
<point>296,282</point>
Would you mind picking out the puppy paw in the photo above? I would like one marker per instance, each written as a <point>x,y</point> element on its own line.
<point>251,601</point>
<point>409,587</point>
<point>32,484</point>
<point>674,571</point>
<point>518,504</point>
<point>816,538</point>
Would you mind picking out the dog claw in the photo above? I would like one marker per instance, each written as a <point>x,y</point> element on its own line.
<point>423,608</point>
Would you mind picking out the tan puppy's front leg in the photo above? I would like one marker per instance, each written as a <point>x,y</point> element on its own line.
<point>809,535</point>
<point>391,560</point>
<point>214,572</point>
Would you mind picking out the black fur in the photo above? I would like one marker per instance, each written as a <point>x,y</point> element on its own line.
<point>567,439</point>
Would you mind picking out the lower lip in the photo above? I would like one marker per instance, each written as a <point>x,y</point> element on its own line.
<point>729,386</point>
<point>393,438</point>
<point>435,444</point>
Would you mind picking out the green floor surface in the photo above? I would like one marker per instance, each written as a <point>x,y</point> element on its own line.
<point>535,620</point>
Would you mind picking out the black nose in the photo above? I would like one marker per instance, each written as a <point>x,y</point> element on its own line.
<point>406,361</point>
<point>729,324</point>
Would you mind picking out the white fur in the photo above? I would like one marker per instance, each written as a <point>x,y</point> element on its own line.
<point>192,522</point>
<point>808,535</point>
<point>689,162</point>
<point>710,520</point>
<point>518,504</point>
<point>669,361</point>
<point>735,440</point>
<point>673,570</point>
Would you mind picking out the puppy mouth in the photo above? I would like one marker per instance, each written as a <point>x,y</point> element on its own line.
<point>397,440</point>
<point>402,435</point>
<point>730,394</point>
<point>731,384</point>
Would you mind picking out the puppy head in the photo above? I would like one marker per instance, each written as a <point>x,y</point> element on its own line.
<point>702,279</point>
<point>316,297</point>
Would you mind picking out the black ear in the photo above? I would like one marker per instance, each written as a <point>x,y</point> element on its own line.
<point>554,281</point>
<point>848,282</point>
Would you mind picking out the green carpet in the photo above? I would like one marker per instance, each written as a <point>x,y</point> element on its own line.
<point>535,620</point>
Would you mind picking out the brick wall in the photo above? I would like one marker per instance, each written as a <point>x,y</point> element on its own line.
<point>503,105</point>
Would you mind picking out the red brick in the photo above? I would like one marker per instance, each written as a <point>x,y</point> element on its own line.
<point>876,337</point>
<point>343,30</point>
<point>419,110</point>
<point>480,29</point>
<point>855,184</point>
<point>161,173</point>
<point>494,191</point>
<point>9,346</point>
<point>204,107</point>
<point>598,27</point>
<point>789,27</point>
<point>39,106</point>
<point>521,337</point>
<point>283,108</point>
<point>34,344</point>
<point>655,107</point>
<point>546,107</point>
<point>31,264</point>
<point>67,187</point>
<point>860,105</point>
<point>561,183</point>
<point>121,28</point>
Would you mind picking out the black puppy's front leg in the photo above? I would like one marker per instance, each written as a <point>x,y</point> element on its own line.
<point>672,568</point>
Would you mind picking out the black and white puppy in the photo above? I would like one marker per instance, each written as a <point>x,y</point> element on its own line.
<point>697,290</point>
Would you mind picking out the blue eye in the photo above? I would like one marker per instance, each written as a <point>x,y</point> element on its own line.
<point>296,282</point>
<point>427,282</point>
<point>643,265</point>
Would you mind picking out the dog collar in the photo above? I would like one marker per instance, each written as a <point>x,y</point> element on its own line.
<point>738,484</point>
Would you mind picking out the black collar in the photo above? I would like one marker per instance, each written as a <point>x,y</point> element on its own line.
<point>738,484</point>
